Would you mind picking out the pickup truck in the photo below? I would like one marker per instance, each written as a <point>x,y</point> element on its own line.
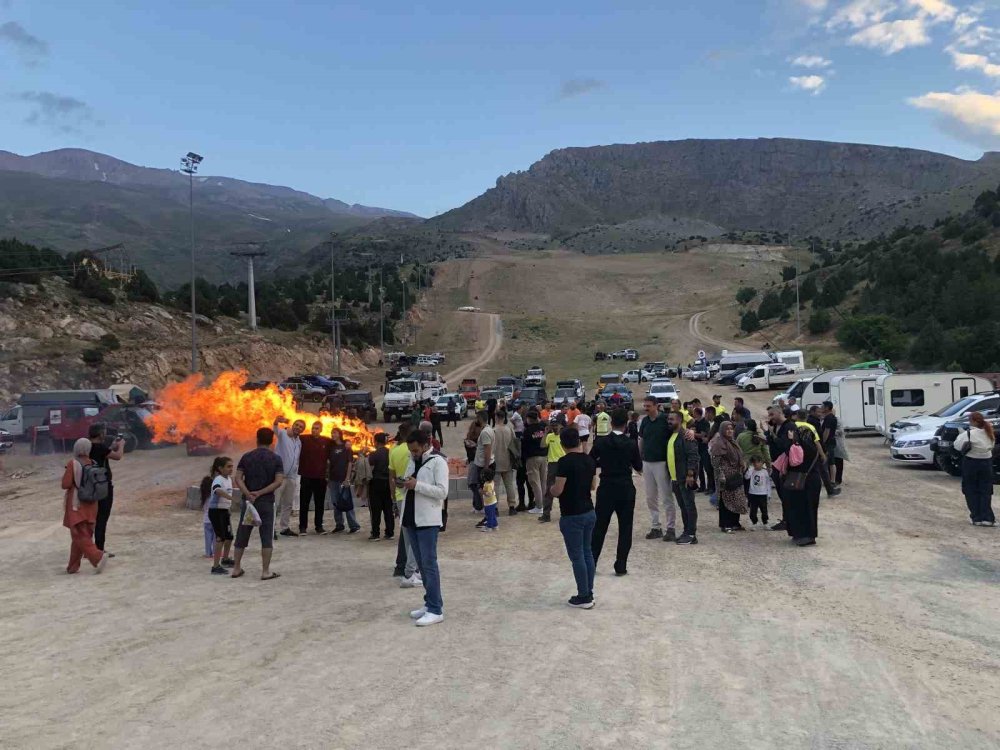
<point>535,376</point>
<point>768,377</point>
<point>576,385</point>
<point>402,395</point>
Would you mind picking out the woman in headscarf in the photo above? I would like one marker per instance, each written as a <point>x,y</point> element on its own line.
<point>728,465</point>
<point>80,517</point>
<point>803,504</point>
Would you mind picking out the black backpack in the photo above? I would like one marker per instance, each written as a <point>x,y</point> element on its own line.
<point>94,484</point>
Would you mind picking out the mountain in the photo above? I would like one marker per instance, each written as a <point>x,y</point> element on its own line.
<point>73,199</point>
<point>832,190</point>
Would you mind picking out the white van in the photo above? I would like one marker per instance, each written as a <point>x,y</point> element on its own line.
<point>820,388</point>
<point>734,361</point>
<point>900,395</point>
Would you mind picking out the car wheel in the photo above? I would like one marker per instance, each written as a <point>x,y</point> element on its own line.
<point>947,465</point>
<point>751,387</point>
<point>131,441</point>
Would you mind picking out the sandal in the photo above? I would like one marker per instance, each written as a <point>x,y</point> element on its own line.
<point>238,575</point>
<point>273,575</point>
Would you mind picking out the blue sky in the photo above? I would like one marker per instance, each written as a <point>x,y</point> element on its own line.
<point>420,106</point>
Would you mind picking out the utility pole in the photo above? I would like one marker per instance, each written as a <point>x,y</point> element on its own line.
<point>381,315</point>
<point>189,165</point>
<point>251,294</point>
<point>334,323</point>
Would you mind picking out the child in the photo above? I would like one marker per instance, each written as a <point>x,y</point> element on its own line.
<point>760,489</point>
<point>489,499</point>
<point>220,501</point>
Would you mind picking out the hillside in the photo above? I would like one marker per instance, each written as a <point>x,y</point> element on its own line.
<point>73,199</point>
<point>831,190</point>
<point>45,329</point>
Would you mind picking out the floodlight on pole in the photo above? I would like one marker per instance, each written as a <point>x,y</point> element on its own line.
<point>189,166</point>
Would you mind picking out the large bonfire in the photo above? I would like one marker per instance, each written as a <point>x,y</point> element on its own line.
<point>221,410</point>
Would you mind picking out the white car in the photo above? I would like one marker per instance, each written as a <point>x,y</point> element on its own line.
<point>914,446</point>
<point>982,402</point>
<point>664,391</point>
<point>637,376</point>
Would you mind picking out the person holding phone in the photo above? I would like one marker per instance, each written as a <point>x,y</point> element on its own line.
<point>102,452</point>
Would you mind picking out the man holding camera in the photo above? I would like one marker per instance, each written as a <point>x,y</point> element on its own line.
<point>102,451</point>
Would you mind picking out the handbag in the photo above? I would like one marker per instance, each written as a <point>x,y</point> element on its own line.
<point>345,499</point>
<point>796,480</point>
<point>781,464</point>
<point>968,443</point>
<point>733,482</point>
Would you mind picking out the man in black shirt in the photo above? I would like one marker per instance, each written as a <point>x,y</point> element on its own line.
<point>535,457</point>
<point>779,424</point>
<point>617,456</point>
<point>491,410</point>
<point>102,455</point>
<point>258,474</point>
<point>828,438</point>
<point>574,482</point>
<point>702,429</point>
<point>380,492</point>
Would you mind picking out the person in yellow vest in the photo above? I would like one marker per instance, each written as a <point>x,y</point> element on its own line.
<point>480,404</point>
<point>717,403</point>
<point>675,405</point>
<point>602,420</point>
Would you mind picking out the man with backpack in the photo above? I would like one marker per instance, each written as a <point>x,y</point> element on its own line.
<point>101,453</point>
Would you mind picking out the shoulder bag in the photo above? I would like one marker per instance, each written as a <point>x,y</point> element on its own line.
<point>796,480</point>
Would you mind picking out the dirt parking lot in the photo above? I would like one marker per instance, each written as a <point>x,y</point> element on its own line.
<point>884,635</point>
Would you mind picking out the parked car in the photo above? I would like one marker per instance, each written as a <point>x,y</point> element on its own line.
<point>608,377</point>
<point>462,407</point>
<point>698,372</point>
<point>363,402</point>
<point>564,396</point>
<point>600,356</point>
<point>663,390</point>
<point>983,402</point>
<point>6,442</point>
<point>639,376</point>
<point>947,458</point>
<point>576,385</point>
<point>348,383</point>
<point>625,399</point>
<point>303,391</point>
<point>321,381</point>
<point>255,385</point>
<point>530,396</point>
<point>470,390</point>
<point>914,446</point>
<point>730,378</point>
<point>535,376</point>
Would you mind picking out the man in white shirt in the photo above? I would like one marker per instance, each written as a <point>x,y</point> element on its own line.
<point>583,422</point>
<point>289,449</point>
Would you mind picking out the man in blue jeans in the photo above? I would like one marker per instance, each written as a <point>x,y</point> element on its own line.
<point>573,486</point>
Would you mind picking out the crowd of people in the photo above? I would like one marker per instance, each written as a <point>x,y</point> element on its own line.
<point>530,457</point>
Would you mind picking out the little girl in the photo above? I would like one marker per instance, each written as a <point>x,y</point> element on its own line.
<point>217,490</point>
<point>758,489</point>
<point>489,500</point>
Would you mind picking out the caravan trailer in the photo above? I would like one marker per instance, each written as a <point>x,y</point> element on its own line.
<point>793,360</point>
<point>734,361</point>
<point>820,388</point>
<point>900,395</point>
<point>853,397</point>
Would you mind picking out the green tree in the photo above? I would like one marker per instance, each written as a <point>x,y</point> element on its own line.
<point>788,273</point>
<point>141,288</point>
<point>819,321</point>
<point>876,336</point>
<point>808,288</point>
<point>744,294</point>
<point>770,306</point>
<point>749,322</point>
<point>927,347</point>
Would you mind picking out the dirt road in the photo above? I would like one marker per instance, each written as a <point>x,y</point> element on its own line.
<point>884,635</point>
<point>494,340</point>
<point>694,328</point>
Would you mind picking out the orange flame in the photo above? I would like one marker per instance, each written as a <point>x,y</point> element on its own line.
<point>222,410</point>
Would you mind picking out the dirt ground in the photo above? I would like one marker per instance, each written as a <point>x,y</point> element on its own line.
<point>884,635</point>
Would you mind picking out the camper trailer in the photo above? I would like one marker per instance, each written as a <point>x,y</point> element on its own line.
<point>793,360</point>
<point>900,395</point>
<point>853,397</point>
<point>734,361</point>
<point>820,388</point>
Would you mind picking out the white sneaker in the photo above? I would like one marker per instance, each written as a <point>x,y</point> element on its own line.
<point>418,613</point>
<point>536,511</point>
<point>412,582</point>
<point>429,618</point>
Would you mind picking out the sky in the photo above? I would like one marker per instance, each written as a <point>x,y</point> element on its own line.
<point>420,106</point>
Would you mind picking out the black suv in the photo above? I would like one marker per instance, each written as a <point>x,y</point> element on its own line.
<point>947,458</point>
<point>624,400</point>
<point>531,396</point>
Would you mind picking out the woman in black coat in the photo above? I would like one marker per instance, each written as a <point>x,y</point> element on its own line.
<point>802,513</point>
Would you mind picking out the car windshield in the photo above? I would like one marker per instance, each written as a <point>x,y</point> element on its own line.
<point>662,388</point>
<point>615,388</point>
<point>486,395</point>
<point>955,408</point>
<point>443,400</point>
<point>402,386</point>
<point>564,392</point>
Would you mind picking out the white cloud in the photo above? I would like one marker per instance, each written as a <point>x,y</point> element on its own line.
<point>939,10</point>
<point>975,36</point>
<point>812,84</point>
<point>860,13</point>
<point>892,36</point>
<point>968,61</point>
<point>817,5</point>
<point>970,113</point>
<point>811,61</point>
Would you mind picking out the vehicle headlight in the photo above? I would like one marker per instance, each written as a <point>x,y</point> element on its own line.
<point>912,443</point>
<point>899,426</point>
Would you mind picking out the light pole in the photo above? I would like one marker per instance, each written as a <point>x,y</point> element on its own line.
<point>189,165</point>
<point>251,294</point>
<point>334,326</point>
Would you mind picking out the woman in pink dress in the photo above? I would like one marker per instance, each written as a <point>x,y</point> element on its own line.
<point>78,517</point>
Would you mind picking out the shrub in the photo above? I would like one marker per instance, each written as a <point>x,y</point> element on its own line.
<point>93,357</point>
<point>819,321</point>
<point>744,294</point>
<point>109,343</point>
<point>749,322</point>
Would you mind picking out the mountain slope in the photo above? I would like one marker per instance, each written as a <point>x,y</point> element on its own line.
<point>802,187</point>
<point>74,199</point>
